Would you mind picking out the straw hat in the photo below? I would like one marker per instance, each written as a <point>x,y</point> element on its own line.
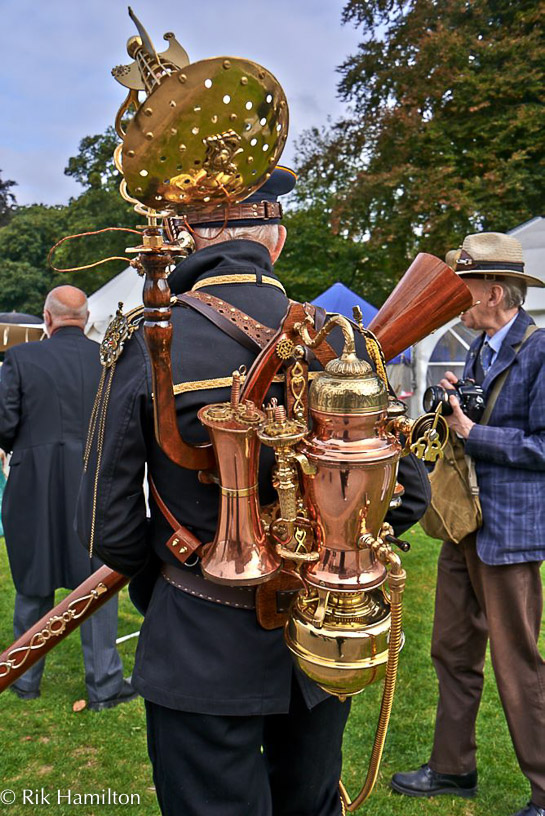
<point>493,253</point>
<point>451,257</point>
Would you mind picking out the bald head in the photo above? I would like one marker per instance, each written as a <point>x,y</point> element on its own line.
<point>65,306</point>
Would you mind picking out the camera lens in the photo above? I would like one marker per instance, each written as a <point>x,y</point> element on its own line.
<point>436,395</point>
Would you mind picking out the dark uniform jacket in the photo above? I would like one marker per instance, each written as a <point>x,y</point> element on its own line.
<point>193,654</point>
<point>47,391</point>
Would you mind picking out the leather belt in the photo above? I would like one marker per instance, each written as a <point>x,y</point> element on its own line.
<point>239,597</point>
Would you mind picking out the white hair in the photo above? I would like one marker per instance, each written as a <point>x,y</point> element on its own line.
<point>266,234</point>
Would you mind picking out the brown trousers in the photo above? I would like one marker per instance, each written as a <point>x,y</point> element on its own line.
<point>476,602</point>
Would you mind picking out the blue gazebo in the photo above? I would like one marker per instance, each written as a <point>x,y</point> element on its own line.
<point>339,298</point>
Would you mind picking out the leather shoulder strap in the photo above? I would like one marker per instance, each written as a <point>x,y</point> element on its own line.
<point>182,543</point>
<point>235,323</point>
<point>500,382</point>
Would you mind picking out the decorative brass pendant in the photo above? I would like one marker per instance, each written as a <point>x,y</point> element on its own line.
<point>118,332</point>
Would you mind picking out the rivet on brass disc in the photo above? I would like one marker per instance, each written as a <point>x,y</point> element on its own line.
<point>173,131</point>
<point>148,111</point>
<point>172,103</point>
<point>149,136</point>
<point>181,148</point>
<point>250,159</point>
<point>261,75</point>
<point>130,153</point>
<point>226,64</point>
<point>182,78</point>
<point>233,117</point>
<point>244,80</point>
<point>138,189</point>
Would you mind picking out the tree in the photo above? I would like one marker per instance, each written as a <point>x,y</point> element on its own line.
<point>445,131</point>
<point>98,207</point>
<point>7,200</point>
<point>24,244</point>
<point>314,258</point>
<point>25,241</point>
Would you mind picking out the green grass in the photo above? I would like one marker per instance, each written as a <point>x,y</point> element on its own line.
<point>44,744</point>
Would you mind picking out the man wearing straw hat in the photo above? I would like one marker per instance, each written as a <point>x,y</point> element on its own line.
<point>489,585</point>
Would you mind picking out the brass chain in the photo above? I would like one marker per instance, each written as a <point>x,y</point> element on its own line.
<point>100,445</point>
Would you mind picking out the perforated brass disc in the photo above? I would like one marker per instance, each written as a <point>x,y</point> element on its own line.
<point>207,135</point>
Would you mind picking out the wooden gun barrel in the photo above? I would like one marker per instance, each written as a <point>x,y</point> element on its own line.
<point>428,295</point>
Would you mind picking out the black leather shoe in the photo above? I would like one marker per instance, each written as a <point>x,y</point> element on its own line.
<point>24,695</point>
<point>127,693</point>
<point>426,782</point>
<point>531,810</point>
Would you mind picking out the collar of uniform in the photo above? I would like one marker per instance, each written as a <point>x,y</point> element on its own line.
<point>227,257</point>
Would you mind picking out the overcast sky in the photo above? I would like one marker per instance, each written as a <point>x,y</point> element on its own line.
<point>57,56</point>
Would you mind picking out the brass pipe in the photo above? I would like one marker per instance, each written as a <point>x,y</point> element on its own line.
<point>334,320</point>
<point>396,582</point>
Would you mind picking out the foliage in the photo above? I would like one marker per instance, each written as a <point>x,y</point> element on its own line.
<point>24,244</point>
<point>7,200</point>
<point>46,745</point>
<point>314,258</point>
<point>444,133</point>
<point>32,231</point>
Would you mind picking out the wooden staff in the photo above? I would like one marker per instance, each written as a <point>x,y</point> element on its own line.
<point>57,624</point>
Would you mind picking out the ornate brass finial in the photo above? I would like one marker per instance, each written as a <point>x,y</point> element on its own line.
<point>205,134</point>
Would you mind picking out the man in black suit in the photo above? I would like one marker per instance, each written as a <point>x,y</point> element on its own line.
<point>47,391</point>
<point>233,728</point>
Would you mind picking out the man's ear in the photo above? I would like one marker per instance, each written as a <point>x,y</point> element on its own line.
<point>495,294</point>
<point>282,233</point>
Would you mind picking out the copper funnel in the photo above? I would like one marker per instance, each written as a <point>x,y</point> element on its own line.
<point>240,554</point>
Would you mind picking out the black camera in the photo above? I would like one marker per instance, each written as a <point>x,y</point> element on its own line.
<point>467,392</point>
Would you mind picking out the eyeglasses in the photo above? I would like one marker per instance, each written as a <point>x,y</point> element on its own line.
<point>475,303</point>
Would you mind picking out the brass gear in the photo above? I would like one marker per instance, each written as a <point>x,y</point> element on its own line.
<point>285,349</point>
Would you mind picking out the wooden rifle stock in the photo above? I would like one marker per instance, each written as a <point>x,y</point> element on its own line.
<point>59,623</point>
<point>428,295</point>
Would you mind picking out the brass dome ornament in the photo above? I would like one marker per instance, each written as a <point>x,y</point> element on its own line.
<point>207,134</point>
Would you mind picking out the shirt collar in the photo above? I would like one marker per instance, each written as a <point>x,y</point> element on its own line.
<point>495,342</point>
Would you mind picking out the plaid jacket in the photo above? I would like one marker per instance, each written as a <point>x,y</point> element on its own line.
<point>509,452</point>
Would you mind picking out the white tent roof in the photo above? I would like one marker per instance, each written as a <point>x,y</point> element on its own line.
<point>125,288</point>
<point>532,237</point>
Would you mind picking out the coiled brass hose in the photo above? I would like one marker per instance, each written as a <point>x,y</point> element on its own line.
<point>396,583</point>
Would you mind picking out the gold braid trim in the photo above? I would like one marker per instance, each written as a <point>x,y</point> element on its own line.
<point>223,382</point>
<point>219,279</point>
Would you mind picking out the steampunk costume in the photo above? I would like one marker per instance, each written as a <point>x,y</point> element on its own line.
<point>196,655</point>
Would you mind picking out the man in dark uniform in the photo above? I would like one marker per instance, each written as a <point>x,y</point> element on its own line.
<point>46,397</point>
<point>233,728</point>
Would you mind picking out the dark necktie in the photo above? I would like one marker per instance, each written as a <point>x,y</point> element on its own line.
<point>486,357</point>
